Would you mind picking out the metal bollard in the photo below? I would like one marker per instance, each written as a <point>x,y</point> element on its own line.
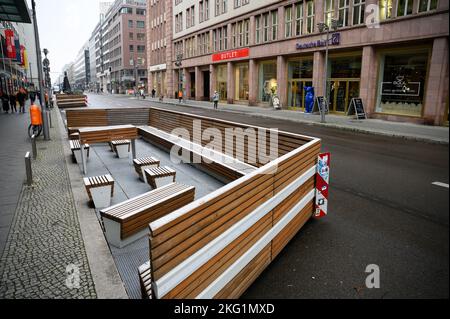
<point>49,116</point>
<point>33,144</point>
<point>28,169</point>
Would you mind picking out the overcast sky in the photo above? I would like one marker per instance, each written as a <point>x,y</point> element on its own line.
<point>64,26</point>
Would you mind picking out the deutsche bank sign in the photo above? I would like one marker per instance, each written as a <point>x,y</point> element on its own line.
<point>335,40</point>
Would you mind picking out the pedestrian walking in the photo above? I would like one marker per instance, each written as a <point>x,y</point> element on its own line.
<point>22,97</point>
<point>13,102</point>
<point>180,96</point>
<point>153,93</point>
<point>216,99</point>
<point>5,101</point>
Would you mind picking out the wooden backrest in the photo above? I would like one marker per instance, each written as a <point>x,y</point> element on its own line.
<point>106,117</point>
<point>86,118</point>
<point>194,247</point>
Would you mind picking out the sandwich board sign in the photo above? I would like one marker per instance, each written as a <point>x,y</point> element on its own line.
<point>357,108</point>
<point>321,105</point>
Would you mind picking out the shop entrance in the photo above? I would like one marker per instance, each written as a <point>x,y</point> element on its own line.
<point>297,94</point>
<point>206,80</point>
<point>192,93</point>
<point>342,91</point>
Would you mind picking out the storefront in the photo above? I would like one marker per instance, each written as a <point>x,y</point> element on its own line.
<point>344,83</point>
<point>300,78</point>
<point>221,85</point>
<point>402,82</point>
<point>268,84</point>
<point>242,90</point>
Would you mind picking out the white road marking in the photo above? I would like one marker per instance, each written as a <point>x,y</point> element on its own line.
<point>439,184</point>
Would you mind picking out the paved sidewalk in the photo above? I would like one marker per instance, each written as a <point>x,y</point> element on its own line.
<point>423,133</point>
<point>45,235</point>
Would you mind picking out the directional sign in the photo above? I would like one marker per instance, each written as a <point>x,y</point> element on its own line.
<point>322,185</point>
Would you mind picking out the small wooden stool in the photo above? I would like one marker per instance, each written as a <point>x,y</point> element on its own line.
<point>122,148</point>
<point>141,164</point>
<point>100,190</point>
<point>161,176</point>
<point>76,149</point>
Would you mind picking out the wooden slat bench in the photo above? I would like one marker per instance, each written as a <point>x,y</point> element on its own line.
<point>141,164</point>
<point>100,190</point>
<point>145,278</point>
<point>128,221</point>
<point>76,149</point>
<point>221,166</point>
<point>160,176</point>
<point>121,147</point>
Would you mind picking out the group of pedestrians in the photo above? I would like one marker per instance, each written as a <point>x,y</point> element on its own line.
<point>10,102</point>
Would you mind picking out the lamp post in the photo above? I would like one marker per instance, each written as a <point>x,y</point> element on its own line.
<point>179,64</point>
<point>40,75</point>
<point>323,27</point>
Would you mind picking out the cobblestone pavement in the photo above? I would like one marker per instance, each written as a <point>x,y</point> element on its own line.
<point>45,236</point>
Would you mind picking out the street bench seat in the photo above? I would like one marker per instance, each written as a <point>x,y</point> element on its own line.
<point>76,149</point>
<point>128,221</point>
<point>145,279</point>
<point>141,164</point>
<point>160,176</point>
<point>121,147</point>
<point>221,166</point>
<point>100,190</point>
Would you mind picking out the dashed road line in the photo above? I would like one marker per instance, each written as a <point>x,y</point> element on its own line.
<point>439,184</point>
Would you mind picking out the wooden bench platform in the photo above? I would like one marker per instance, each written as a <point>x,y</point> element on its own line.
<point>145,279</point>
<point>160,176</point>
<point>141,164</point>
<point>100,190</point>
<point>221,166</point>
<point>128,221</point>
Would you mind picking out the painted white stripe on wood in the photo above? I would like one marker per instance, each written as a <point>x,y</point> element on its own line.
<point>200,258</point>
<point>439,184</point>
<point>234,270</point>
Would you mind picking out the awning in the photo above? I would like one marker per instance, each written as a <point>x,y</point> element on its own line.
<point>14,11</point>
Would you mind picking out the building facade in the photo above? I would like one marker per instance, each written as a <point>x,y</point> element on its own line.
<point>15,73</point>
<point>121,47</point>
<point>393,54</point>
<point>82,69</point>
<point>159,46</point>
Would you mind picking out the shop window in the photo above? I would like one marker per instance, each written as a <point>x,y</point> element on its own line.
<point>300,75</point>
<point>242,84</point>
<point>402,83</point>
<point>427,5</point>
<point>404,7</point>
<point>268,84</point>
<point>221,85</point>
<point>346,67</point>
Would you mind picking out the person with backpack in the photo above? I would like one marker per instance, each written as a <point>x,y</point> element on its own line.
<point>22,97</point>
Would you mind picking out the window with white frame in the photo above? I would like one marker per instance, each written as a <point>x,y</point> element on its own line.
<point>258,29</point>
<point>344,8</point>
<point>310,12</point>
<point>329,11</point>
<point>266,27</point>
<point>299,19</point>
<point>288,21</point>
<point>404,7</point>
<point>427,5</point>
<point>359,8</point>
<point>274,25</point>
<point>386,7</point>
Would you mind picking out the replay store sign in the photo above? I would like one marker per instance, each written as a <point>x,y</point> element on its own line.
<point>335,40</point>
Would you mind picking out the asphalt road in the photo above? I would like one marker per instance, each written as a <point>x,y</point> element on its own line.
<point>383,210</point>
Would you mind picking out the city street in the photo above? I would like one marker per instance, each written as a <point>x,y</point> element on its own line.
<point>384,210</point>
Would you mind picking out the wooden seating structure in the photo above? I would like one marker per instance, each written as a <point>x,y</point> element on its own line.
<point>128,221</point>
<point>145,279</point>
<point>160,176</point>
<point>71,101</point>
<point>76,150</point>
<point>100,190</point>
<point>141,164</point>
<point>121,147</point>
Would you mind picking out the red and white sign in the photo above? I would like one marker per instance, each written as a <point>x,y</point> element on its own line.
<point>10,44</point>
<point>322,185</point>
<point>231,55</point>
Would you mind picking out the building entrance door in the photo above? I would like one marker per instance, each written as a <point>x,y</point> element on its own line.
<point>192,93</point>
<point>206,85</point>
<point>341,93</point>
<point>297,94</point>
